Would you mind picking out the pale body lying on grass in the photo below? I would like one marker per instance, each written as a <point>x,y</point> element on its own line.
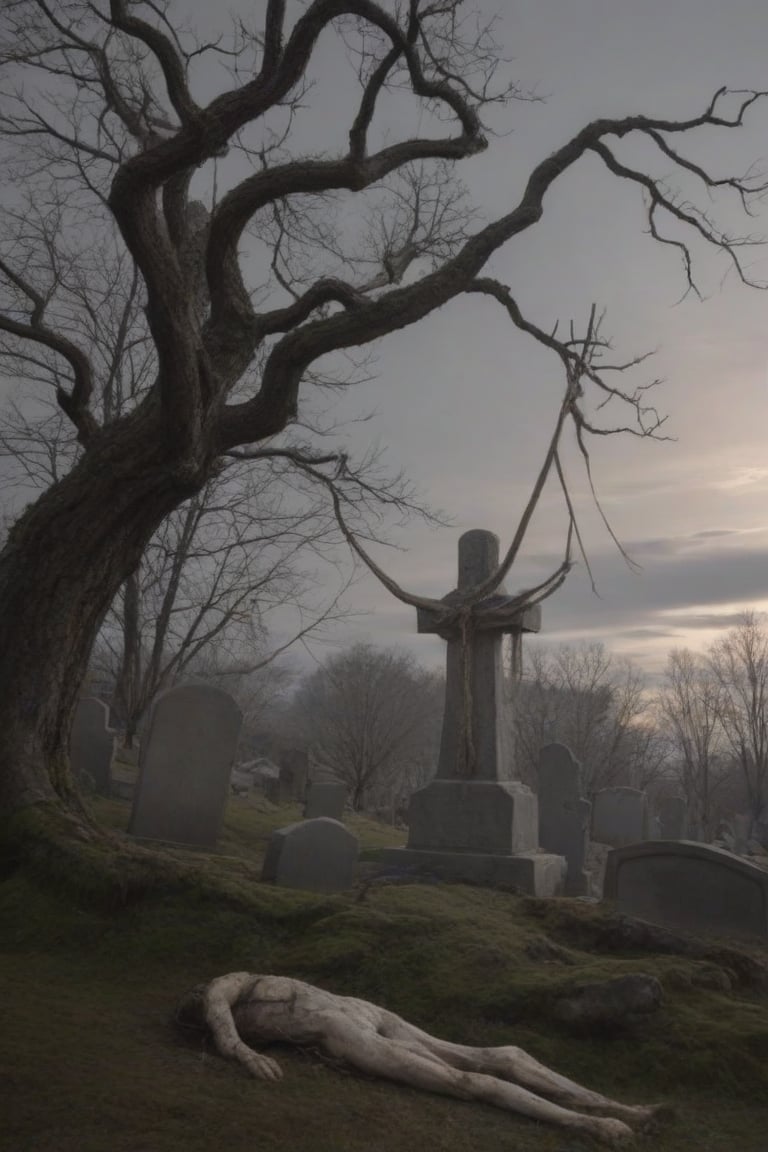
<point>274,1008</point>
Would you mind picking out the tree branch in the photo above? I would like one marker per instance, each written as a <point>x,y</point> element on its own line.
<point>75,403</point>
<point>276,401</point>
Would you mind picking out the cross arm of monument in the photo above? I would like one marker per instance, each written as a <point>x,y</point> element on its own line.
<point>499,613</point>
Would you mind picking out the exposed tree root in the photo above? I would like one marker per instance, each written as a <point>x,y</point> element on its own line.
<point>62,850</point>
<point>599,931</point>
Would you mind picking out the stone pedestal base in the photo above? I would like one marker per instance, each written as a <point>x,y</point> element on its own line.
<point>533,873</point>
<point>496,817</point>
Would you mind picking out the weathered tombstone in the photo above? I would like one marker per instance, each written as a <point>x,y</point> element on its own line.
<point>271,788</point>
<point>673,816</point>
<point>742,826</point>
<point>318,855</point>
<point>92,745</point>
<point>325,798</point>
<point>725,836</point>
<point>294,770</point>
<point>564,815</point>
<point>688,886</point>
<point>474,821</point>
<point>184,770</point>
<point>240,782</point>
<point>760,828</point>
<point>619,816</point>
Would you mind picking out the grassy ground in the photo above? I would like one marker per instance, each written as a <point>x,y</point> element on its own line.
<point>91,1057</point>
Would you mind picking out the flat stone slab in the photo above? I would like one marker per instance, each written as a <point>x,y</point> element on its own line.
<point>317,855</point>
<point>486,816</point>
<point>533,873</point>
<point>689,886</point>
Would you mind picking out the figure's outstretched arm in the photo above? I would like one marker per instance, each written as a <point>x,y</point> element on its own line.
<point>218,998</point>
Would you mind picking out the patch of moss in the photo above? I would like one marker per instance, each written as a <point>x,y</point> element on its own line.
<point>93,983</point>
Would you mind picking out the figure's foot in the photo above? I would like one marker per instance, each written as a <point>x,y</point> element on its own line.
<point>639,1115</point>
<point>652,1114</point>
<point>613,1132</point>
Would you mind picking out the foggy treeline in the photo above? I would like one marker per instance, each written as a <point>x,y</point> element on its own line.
<point>372,716</point>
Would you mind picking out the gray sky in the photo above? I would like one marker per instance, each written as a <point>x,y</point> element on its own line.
<point>465,404</point>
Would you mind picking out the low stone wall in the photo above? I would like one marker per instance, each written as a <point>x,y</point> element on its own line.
<point>694,887</point>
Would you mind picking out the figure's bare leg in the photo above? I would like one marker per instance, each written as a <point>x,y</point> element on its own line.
<point>523,1069</point>
<point>516,1065</point>
<point>401,1060</point>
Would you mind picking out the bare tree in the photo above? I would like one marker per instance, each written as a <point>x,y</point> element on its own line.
<point>219,565</point>
<point>688,706</point>
<point>371,716</point>
<point>261,692</point>
<point>592,701</point>
<point>105,122</point>
<point>214,575</point>
<point>739,662</point>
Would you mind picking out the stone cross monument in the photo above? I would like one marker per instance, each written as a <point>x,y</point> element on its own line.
<point>474,821</point>
<point>473,741</point>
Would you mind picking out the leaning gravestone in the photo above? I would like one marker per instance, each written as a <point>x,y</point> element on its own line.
<point>564,815</point>
<point>654,828</point>
<point>92,745</point>
<point>317,855</point>
<point>475,822</point>
<point>684,885</point>
<point>760,829</point>
<point>325,798</point>
<point>619,816</point>
<point>185,764</point>
<point>673,817</point>
<point>294,769</point>
<point>742,826</point>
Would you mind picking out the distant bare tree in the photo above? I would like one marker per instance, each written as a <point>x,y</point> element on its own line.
<point>688,706</point>
<point>212,578</point>
<point>739,663</point>
<point>372,716</point>
<point>260,691</point>
<point>582,696</point>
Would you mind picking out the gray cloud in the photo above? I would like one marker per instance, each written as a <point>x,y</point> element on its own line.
<point>709,620</point>
<point>646,634</point>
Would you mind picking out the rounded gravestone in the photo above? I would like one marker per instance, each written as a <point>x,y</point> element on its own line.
<point>184,770</point>
<point>317,855</point>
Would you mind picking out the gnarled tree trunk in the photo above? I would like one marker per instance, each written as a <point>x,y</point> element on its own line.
<point>64,562</point>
